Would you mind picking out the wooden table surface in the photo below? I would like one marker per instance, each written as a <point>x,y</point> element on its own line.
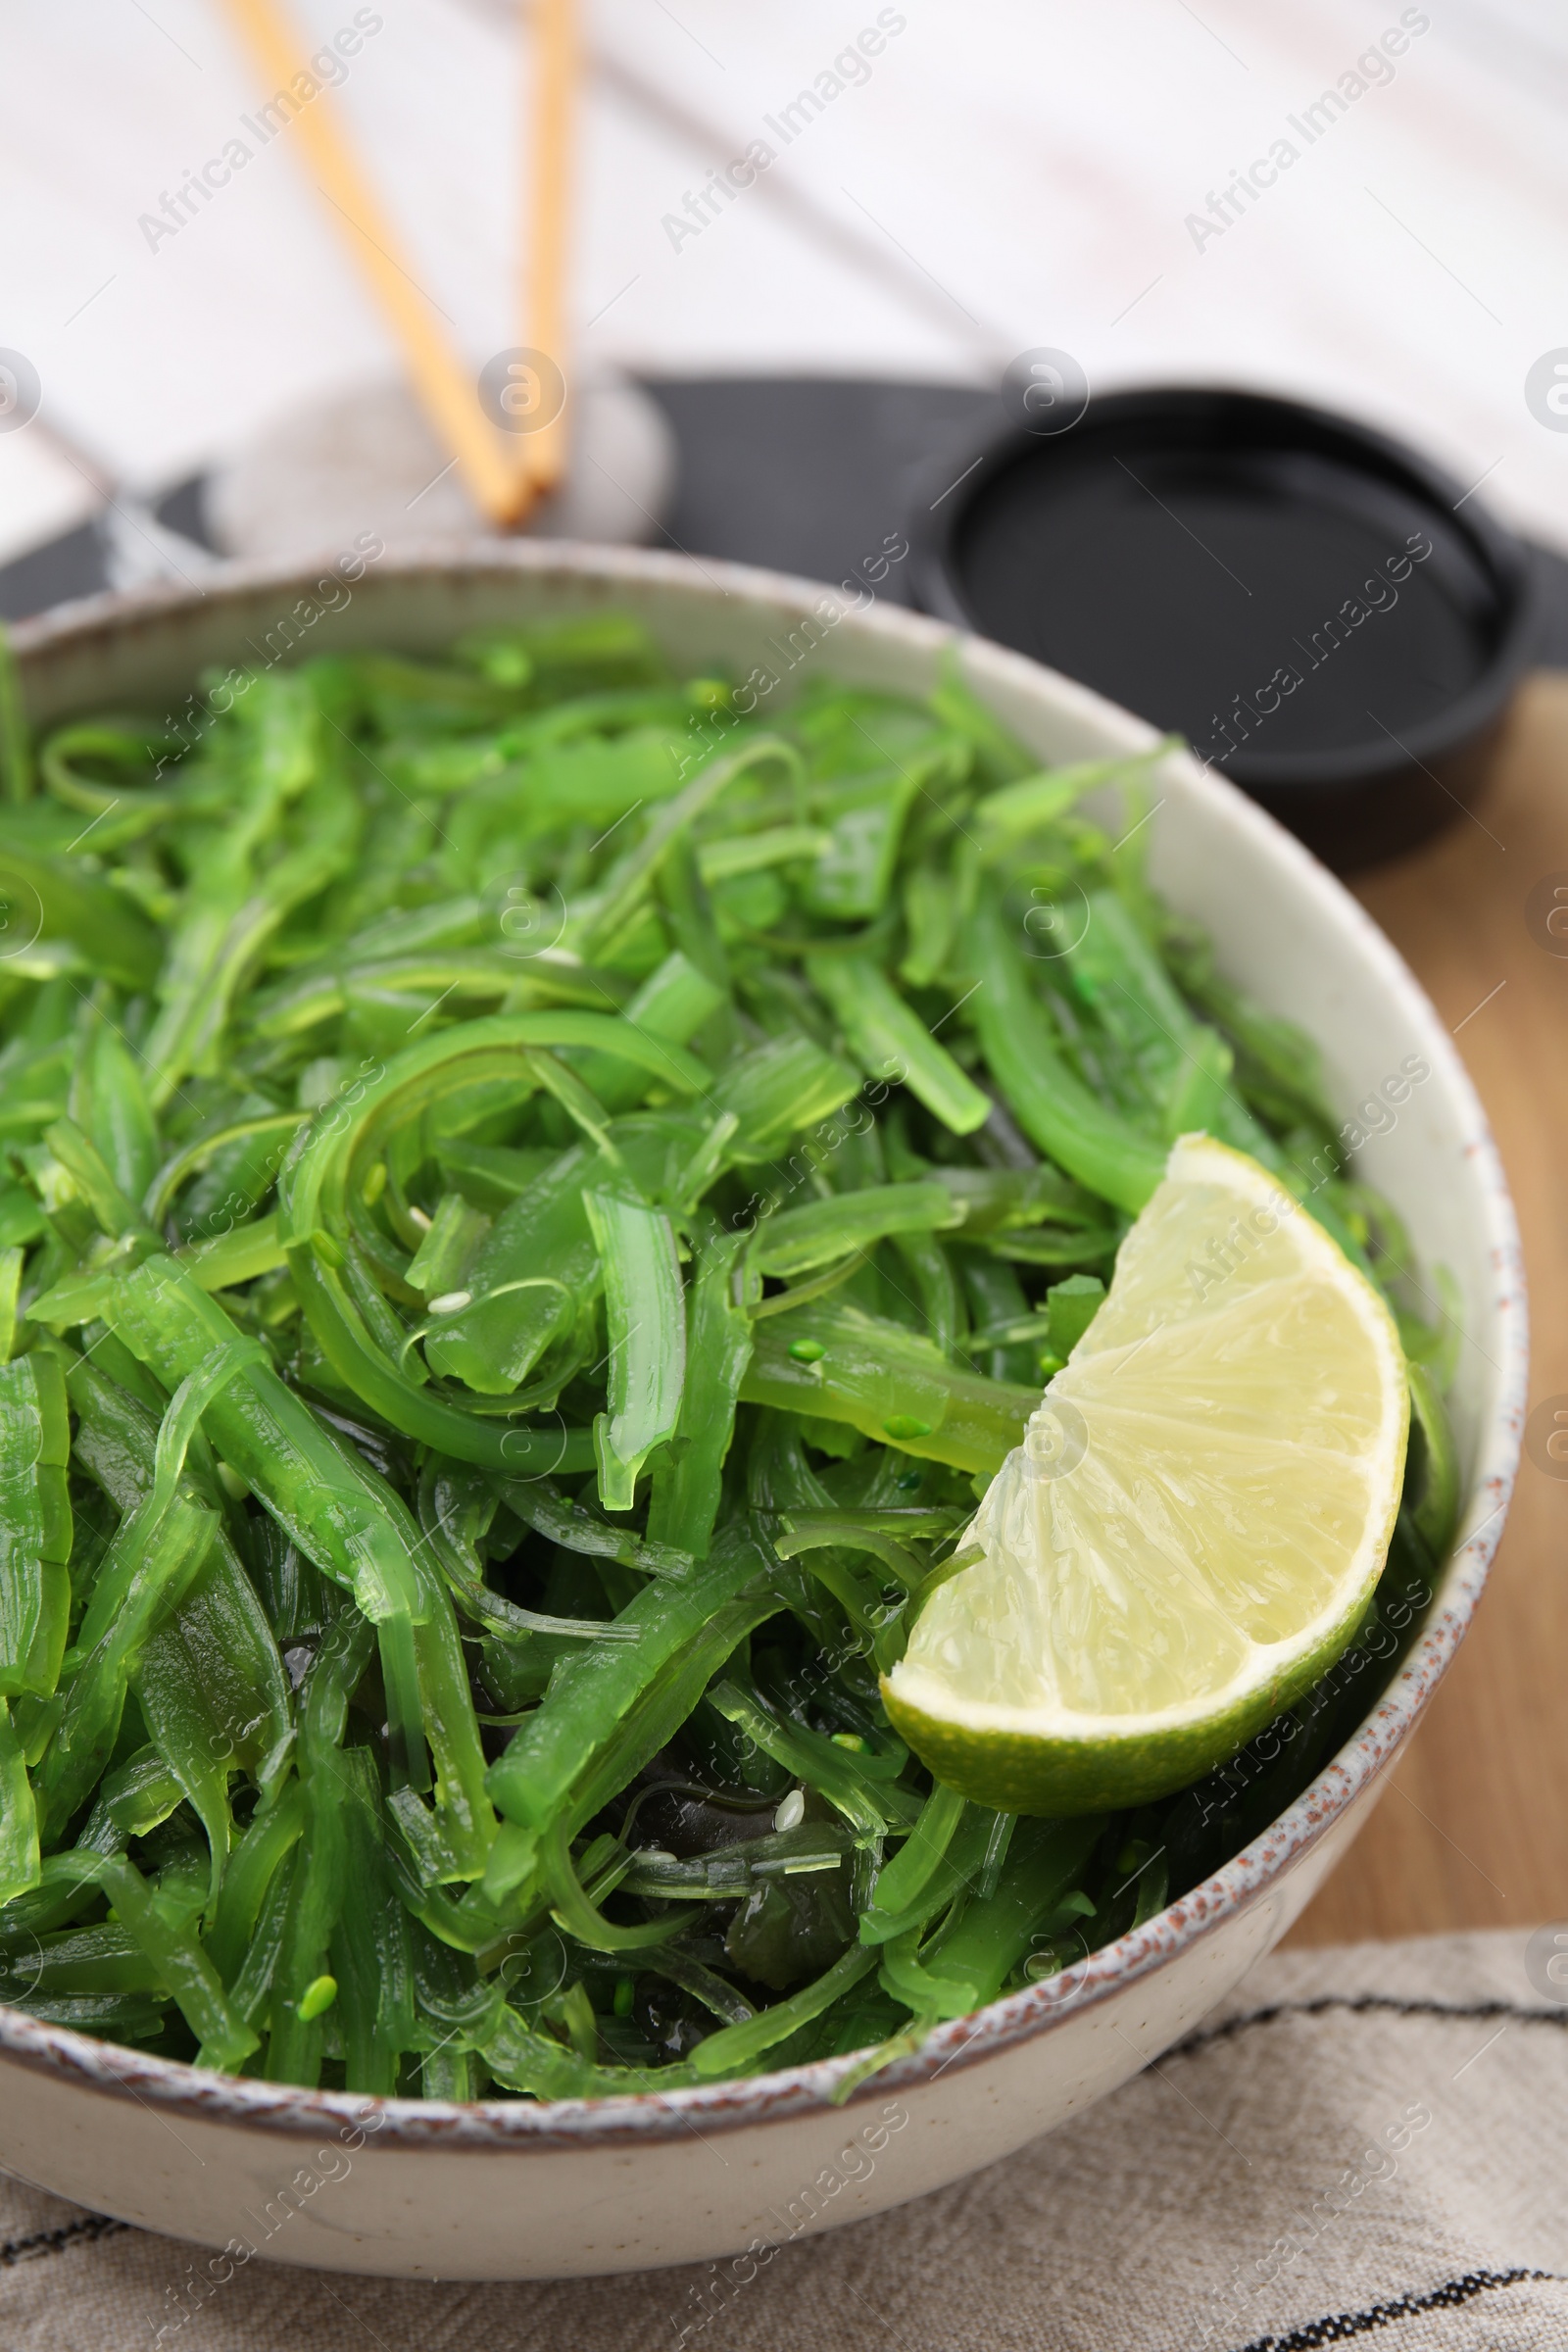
<point>1471,1830</point>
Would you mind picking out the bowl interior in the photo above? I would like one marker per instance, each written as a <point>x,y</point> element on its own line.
<point>1282,928</point>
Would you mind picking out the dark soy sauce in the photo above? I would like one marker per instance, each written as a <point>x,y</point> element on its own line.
<point>1269,604</point>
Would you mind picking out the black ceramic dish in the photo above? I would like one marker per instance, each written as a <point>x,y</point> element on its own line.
<point>1324,615</point>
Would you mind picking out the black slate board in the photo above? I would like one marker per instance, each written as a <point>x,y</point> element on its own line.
<point>808,474</point>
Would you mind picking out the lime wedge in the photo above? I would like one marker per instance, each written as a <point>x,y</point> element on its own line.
<point>1191,1530</point>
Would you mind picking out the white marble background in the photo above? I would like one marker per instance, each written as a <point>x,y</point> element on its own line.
<point>1013,173</point>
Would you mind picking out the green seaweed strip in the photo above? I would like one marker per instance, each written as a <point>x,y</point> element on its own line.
<point>688,1480</point>
<point>181,1963</point>
<point>734,2049</point>
<point>889,1039</point>
<point>253,1868</point>
<point>591,1695</point>
<point>833,1362</point>
<point>319,1882</point>
<point>35,1531</point>
<point>1055,1108</point>
<point>19,1815</point>
<point>645,1316</point>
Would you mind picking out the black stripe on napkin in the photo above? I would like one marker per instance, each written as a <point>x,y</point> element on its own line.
<point>1447,2297</point>
<point>91,2226</point>
<point>1359,2005</point>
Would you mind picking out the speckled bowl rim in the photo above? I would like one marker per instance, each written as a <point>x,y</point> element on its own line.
<point>641,2117</point>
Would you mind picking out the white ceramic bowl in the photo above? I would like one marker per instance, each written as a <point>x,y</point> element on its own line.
<point>513,2189</point>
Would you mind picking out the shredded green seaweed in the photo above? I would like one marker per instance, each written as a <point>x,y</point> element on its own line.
<point>532,1204</point>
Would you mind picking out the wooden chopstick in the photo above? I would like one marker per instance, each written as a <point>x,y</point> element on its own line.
<point>547,160</point>
<point>502,483</point>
